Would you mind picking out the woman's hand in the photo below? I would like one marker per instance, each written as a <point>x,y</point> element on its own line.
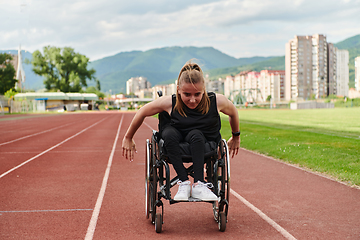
<point>234,145</point>
<point>129,148</point>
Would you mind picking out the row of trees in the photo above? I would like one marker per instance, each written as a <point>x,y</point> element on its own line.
<point>62,68</point>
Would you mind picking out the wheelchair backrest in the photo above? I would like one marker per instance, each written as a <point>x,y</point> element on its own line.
<point>164,117</point>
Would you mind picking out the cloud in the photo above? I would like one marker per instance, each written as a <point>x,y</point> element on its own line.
<point>240,28</point>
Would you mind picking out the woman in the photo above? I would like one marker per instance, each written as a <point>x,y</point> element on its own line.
<point>195,119</point>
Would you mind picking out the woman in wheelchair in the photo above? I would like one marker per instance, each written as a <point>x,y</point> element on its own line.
<point>195,119</point>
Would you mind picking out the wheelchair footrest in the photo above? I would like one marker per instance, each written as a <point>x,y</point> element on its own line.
<point>191,199</point>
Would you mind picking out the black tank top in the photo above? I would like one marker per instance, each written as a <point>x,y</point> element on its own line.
<point>209,124</point>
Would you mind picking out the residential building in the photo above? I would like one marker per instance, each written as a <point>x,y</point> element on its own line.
<point>342,73</point>
<point>357,73</point>
<point>315,68</point>
<point>252,92</point>
<point>229,85</point>
<point>299,68</point>
<point>167,90</point>
<point>332,70</point>
<point>136,84</point>
<point>319,66</point>
<point>271,83</point>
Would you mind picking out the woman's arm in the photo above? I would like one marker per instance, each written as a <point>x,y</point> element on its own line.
<point>150,109</point>
<point>225,106</point>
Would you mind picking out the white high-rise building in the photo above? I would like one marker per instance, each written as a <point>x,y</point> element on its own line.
<point>342,72</point>
<point>315,68</point>
<point>357,74</point>
<point>299,68</point>
<point>319,66</point>
<point>136,84</point>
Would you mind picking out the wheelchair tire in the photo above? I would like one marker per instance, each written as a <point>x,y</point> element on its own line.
<point>222,181</point>
<point>158,223</point>
<point>147,179</point>
<point>222,221</point>
<point>152,183</point>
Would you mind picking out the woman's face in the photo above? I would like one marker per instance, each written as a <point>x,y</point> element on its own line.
<point>191,94</point>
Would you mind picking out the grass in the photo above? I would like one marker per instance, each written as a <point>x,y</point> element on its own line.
<point>322,140</point>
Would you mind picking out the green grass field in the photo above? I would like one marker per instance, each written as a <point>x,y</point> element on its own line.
<point>323,140</point>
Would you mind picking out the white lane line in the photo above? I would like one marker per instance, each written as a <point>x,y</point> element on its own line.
<point>280,229</point>
<point>27,161</point>
<point>18,139</point>
<point>93,221</point>
<point>49,210</point>
<point>148,126</point>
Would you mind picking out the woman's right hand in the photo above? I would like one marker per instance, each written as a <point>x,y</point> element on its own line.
<point>128,148</point>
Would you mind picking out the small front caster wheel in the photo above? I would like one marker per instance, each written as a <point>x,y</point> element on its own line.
<point>222,221</point>
<point>158,222</point>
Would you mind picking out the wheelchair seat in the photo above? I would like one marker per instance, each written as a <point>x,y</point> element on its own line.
<point>210,150</point>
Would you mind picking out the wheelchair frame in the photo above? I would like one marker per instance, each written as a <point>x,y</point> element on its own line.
<point>158,182</point>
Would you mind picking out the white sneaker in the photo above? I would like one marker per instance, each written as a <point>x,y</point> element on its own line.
<point>201,191</point>
<point>183,193</point>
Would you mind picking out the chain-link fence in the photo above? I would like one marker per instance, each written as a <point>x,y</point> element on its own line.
<point>11,106</point>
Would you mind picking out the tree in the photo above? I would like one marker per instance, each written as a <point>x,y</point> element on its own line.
<point>268,98</point>
<point>7,73</point>
<point>10,93</point>
<point>63,69</point>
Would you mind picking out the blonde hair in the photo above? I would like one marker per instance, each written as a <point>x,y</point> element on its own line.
<point>191,73</point>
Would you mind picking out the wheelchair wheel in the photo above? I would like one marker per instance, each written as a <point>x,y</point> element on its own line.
<point>158,223</point>
<point>221,180</point>
<point>147,178</point>
<point>150,183</point>
<point>222,222</point>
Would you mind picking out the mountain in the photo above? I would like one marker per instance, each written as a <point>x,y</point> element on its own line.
<point>162,65</point>
<point>159,65</point>
<point>349,43</point>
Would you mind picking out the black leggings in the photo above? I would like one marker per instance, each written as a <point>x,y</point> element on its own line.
<point>172,138</point>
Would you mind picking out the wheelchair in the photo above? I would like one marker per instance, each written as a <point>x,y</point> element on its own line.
<point>158,182</point>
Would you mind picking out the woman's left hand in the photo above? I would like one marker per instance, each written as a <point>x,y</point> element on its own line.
<point>234,145</point>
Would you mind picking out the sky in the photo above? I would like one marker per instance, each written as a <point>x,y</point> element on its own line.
<point>239,28</point>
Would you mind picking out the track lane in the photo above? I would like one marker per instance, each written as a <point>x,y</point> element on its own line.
<point>66,179</point>
<point>18,151</point>
<point>13,129</point>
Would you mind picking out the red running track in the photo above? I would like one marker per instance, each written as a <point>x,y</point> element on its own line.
<point>62,176</point>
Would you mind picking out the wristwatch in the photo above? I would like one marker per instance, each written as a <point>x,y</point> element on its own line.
<point>235,134</point>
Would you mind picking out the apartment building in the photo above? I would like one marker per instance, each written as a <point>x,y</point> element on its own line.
<point>135,84</point>
<point>252,85</point>
<point>229,85</point>
<point>357,73</point>
<point>342,73</point>
<point>315,68</point>
<point>319,66</point>
<point>272,83</point>
<point>166,90</point>
<point>332,70</point>
<point>298,68</point>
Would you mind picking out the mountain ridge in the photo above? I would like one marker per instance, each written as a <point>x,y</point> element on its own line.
<point>162,65</point>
